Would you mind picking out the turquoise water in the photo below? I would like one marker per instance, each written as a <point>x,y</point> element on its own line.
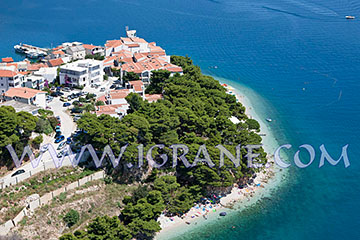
<point>301,57</point>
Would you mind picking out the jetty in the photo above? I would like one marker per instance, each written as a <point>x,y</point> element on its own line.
<point>31,51</point>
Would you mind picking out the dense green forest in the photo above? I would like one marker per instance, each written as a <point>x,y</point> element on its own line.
<point>195,111</point>
<point>17,127</point>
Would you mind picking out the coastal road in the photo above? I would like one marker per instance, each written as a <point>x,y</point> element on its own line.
<point>68,126</point>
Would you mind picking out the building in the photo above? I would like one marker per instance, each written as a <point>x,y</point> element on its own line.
<point>76,52</point>
<point>82,73</point>
<point>92,50</point>
<point>49,74</point>
<point>134,54</point>
<point>19,106</point>
<point>55,62</point>
<point>35,82</point>
<point>118,96</point>
<point>26,95</point>
<point>10,79</point>
<point>115,110</point>
<point>7,60</point>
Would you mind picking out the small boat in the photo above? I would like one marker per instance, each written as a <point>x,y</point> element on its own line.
<point>19,49</point>
<point>349,17</point>
<point>269,119</point>
<point>223,214</point>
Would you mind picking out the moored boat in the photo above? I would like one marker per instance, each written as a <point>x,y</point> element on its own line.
<point>349,17</point>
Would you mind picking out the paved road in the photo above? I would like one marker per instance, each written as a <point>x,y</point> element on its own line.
<point>68,126</point>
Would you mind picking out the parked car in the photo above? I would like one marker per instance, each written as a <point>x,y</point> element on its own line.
<point>44,148</point>
<point>76,118</point>
<point>76,110</point>
<point>113,86</point>
<point>118,88</point>
<point>66,104</point>
<point>102,89</point>
<point>59,139</point>
<point>58,118</point>
<point>61,145</point>
<point>66,89</point>
<point>68,140</point>
<point>18,172</point>
<point>63,99</point>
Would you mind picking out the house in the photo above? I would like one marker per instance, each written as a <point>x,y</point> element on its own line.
<point>55,62</point>
<point>115,110</point>
<point>82,72</point>
<point>26,95</point>
<point>10,79</point>
<point>35,82</point>
<point>22,107</point>
<point>49,74</point>
<point>118,96</point>
<point>92,50</point>
<point>7,60</point>
<point>57,54</point>
<point>137,87</point>
<point>76,52</point>
<point>153,97</point>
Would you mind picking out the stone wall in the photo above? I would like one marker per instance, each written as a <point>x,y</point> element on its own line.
<point>45,199</point>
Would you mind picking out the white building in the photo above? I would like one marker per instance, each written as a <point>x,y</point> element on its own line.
<point>92,50</point>
<point>9,79</point>
<point>76,52</point>
<point>35,82</point>
<point>49,74</point>
<point>82,73</point>
<point>26,95</point>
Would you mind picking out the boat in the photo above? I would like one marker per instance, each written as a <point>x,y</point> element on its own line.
<point>269,119</point>
<point>223,214</point>
<point>20,49</point>
<point>349,17</point>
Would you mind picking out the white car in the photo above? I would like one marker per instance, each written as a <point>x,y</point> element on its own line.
<point>44,148</point>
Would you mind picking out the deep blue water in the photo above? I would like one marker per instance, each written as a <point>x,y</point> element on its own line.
<point>277,48</point>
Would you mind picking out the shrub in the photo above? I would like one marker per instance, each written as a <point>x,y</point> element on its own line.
<point>72,217</point>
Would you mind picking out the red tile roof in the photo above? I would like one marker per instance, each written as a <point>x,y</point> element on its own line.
<point>58,52</point>
<point>7,60</point>
<point>22,92</point>
<point>36,66</point>
<point>55,62</point>
<point>153,97</point>
<point>119,94</point>
<point>7,73</point>
<point>137,85</point>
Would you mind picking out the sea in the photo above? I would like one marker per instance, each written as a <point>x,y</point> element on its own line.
<point>299,60</point>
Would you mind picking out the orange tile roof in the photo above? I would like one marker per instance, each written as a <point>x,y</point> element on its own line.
<point>58,48</point>
<point>35,66</point>
<point>113,43</point>
<point>108,109</point>
<point>137,85</point>
<point>60,52</point>
<point>89,46</point>
<point>7,73</point>
<point>102,98</point>
<point>153,97</point>
<point>119,94</point>
<point>7,60</point>
<point>55,62</point>
<point>22,92</point>
<point>132,45</point>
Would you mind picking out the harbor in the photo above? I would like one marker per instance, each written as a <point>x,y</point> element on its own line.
<point>30,51</point>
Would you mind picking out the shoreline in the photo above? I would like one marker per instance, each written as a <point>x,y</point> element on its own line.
<point>264,182</point>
